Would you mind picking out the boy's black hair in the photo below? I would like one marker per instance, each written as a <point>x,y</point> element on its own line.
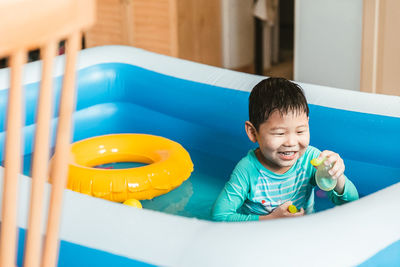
<point>275,94</point>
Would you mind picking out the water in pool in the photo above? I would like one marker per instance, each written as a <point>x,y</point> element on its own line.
<point>195,197</point>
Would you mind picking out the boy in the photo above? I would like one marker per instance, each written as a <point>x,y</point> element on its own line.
<point>278,173</point>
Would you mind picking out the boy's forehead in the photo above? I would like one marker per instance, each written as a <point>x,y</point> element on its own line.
<point>292,116</point>
<point>288,113</point>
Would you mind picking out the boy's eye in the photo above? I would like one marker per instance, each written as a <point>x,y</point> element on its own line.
<point>300,132</point>
<point>279,134</point>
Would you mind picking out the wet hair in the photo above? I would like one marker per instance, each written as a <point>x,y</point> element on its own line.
<point>275,94</point>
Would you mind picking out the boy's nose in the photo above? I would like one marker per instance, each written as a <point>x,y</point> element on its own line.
<point>291,140</point>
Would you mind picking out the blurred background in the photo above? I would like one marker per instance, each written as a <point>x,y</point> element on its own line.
<point>348,44</point>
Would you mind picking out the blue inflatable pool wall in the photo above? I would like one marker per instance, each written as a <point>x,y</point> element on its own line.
<point>111,99</point>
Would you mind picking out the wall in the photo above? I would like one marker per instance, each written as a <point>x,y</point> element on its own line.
<point>188,29</point>
<point>389,56</point>
<point>381,42</point>
<point>198,26</point>
<point>237,33</point>
<point>328,42</point>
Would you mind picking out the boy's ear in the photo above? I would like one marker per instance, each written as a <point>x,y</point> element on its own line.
<point>251,131</point>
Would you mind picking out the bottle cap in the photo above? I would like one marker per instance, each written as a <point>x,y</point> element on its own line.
<point>317,161</point>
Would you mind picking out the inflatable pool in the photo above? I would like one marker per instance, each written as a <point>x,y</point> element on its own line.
<point>127,90</point>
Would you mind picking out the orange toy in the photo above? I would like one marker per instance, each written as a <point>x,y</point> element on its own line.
<point>169,164</point>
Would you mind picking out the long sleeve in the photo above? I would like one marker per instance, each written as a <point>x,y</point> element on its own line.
<point>231,199</point>
<point>349,194</point>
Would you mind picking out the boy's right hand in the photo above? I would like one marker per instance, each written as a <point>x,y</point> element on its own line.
<point>282,212</point>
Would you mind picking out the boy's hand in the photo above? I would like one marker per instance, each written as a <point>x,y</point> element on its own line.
<point>337,170</point>
<point>282,211</point>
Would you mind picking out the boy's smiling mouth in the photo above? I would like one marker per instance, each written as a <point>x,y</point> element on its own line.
<point>287,155</point>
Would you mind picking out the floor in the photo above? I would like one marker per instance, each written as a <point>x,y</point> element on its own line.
<point>284,68</point>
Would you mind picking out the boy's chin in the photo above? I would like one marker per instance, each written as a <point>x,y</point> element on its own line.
<point>287,163</point>
<point>288,160</point>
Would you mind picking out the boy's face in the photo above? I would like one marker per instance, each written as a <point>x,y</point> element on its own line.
<point>282,139</point>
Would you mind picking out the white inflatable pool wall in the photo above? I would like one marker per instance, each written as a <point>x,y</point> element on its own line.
<point>343,236</point>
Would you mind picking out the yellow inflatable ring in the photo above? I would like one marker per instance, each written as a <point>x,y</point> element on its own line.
<point>169,164</point>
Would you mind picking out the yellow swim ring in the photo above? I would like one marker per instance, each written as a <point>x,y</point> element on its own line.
<point>169,164</point>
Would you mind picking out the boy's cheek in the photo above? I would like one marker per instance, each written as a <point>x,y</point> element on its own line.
<point>305,142</point>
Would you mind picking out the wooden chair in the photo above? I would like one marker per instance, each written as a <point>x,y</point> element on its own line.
<point>27,25</point>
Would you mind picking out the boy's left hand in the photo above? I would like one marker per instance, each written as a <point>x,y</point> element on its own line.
<point>337,170</point>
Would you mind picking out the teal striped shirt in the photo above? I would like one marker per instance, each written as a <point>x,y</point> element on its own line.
<point>254,190</point>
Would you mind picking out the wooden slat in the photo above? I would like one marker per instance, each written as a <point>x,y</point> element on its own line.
<point>12,162</point>
<point>59,172</point>
<point>40,159</point>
